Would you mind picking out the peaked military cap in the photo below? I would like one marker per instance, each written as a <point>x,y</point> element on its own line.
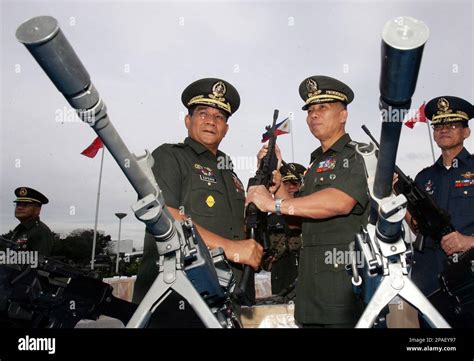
<point>318,89</point>
<point>287,174</point>
<point>30,195</point>
<point>212,92</point>
<point>448,109</point>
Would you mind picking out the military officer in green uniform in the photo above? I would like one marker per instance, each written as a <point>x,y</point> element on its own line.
<point>285,235</point>
<point>197,180</point>
<point>333,203</point>
<point>31,234</point>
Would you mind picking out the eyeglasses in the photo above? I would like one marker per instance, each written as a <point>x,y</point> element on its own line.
<point>451,126</point>
<point>205,116</point>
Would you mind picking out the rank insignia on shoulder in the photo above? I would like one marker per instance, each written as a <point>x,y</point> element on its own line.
<point>327,164</point>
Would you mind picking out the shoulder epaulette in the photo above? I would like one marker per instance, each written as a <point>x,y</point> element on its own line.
<point>179,145</point>
<point>426,168</point>
<point>353,144</point>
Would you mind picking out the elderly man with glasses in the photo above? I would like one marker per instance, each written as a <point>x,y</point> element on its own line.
<point>450,181</point>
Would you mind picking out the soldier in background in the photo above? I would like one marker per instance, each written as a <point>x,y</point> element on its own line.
<point>31,234</point>
<point>450,181</point>
<point>285,235</point>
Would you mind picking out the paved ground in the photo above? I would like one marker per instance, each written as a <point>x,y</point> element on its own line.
<point>102,322</point>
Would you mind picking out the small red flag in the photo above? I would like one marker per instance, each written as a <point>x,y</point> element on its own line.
<point>91,150</point>
<point>419,117</point>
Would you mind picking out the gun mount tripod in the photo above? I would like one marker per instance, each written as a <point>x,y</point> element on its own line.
<point>382,241</point>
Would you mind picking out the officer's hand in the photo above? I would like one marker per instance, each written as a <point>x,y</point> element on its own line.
<point>276,182</point>
<point>455,242</point>
<point>263,152</point>
<point>261,197</point>
<point>278,154</point>
<point>247,251</point>
<point>394,181</point>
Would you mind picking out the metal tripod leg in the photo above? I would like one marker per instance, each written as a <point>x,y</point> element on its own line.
<point>161,289</point>
<point>186,289</point>
<point>153,297</point>
<point>413,295</point>
<point>397,283</point>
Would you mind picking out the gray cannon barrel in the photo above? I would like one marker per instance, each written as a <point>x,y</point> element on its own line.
<point>46,42</point>
<point>403,42</point>
<point>48,45</point>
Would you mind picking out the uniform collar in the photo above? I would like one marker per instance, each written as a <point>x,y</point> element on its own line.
<point>31,223</point>
<point>338,146</point>
<point>463,156</point>
<point>199,149</point>
<point>195,145</point>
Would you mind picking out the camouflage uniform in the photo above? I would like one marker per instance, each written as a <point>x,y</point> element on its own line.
<point>285,244</point>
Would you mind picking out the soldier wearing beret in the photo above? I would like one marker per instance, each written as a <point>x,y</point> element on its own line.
<point>285,235</point>
<point>333,203</point>
<point>197,180</point>
<point>31,234</point>
<point>450,181</point>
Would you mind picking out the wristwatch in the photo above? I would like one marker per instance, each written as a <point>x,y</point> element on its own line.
<point>278,206</point>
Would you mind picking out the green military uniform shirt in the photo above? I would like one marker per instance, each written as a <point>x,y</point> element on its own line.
<point>204,187</point>
<point>324,290</point>
<point>34,235</point>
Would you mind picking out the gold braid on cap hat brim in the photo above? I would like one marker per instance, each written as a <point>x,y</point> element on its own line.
<point>27,199</point>
<point>206,101</point>
<point>289,177</point>
<point>329,95</point>
<point>449,117</point>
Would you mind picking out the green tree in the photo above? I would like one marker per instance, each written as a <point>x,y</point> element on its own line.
<point>77,246</point>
